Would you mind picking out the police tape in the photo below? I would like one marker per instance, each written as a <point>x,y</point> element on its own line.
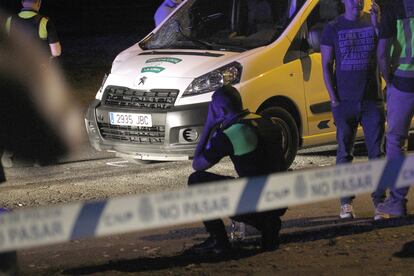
<point>27,228</point>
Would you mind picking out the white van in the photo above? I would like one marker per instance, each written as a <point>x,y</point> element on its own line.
<point>153,104</point>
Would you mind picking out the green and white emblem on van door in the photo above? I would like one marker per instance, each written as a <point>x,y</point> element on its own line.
<point>165,59</point>
<point>152,69</point>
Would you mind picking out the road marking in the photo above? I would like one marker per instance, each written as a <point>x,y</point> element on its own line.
<point>118,164</point>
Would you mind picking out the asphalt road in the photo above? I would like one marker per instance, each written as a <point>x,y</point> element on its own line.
<point>90,175</point>
<point>313,231</point>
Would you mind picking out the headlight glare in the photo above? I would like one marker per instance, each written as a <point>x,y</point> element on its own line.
<point>229,74</point>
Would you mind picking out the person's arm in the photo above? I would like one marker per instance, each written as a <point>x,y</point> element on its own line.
<point>375,12</point>
<point>387,32</point>
<point>162,12</point>
<point>200,162</point>
<point>55,49</point>
<point>328,72</point>
<point>383,57</point>
<point>53,39</point>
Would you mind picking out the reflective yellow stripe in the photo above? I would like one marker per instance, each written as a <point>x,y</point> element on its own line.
<point>42,28</point>
<point>406,67</point>
<point>405,73</point>
<point>27,14</point>
<point>8,24</point>
<point>404,47</point>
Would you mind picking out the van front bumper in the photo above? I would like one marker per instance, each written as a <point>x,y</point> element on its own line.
<point>167,141</point>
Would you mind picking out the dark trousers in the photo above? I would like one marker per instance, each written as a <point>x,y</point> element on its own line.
<point>8,263</point>
<point>400,111</point>
<point>216,227</point>
<point>348,115</point>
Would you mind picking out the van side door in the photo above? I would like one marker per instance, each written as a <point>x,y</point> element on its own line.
<point>320,120</point>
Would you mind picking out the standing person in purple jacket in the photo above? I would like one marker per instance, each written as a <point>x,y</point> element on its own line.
<point>348,50</point>
<point>164,10</point>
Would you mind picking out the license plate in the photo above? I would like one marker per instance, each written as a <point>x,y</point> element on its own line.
<point>130,119</point>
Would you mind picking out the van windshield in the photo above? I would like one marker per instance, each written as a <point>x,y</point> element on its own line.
<point>226,25</point>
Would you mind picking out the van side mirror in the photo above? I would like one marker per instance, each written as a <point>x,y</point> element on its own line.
<point>314,37</point>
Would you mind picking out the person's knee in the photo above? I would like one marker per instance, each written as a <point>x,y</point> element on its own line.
<point>199,177</point>
<point>194,178</point>
<point>394,140</point>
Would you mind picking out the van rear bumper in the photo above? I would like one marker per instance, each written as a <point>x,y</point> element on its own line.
<point>172,126</point>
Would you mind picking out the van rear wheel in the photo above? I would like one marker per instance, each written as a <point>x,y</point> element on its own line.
<point>290,132</point>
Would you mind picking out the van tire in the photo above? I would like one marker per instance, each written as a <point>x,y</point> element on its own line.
<point>290,131</point>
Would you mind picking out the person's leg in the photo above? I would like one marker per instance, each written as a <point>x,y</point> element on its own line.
<point>400,111</point>
<point>6,159</point>
<point>8,263</point>
<point>373,123</point>
<point>2,176</point>
<point>346,121</point>
<point>270,231</point>
<point>8,260</point>
<point>268,223</point>
<point>218,240</point>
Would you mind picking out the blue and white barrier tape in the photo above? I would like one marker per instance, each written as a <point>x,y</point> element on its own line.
<point>42,226</point>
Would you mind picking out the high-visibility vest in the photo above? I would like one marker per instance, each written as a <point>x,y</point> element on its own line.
<point>33,20</point>
<point>403,47</point>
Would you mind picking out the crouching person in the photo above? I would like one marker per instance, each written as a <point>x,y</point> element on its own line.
<point>234,132</point>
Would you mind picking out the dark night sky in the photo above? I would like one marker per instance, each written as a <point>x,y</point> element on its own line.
<point>74,17</point>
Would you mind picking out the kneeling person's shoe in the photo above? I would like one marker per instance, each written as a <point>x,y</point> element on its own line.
<point>211,246</point>
<point>347,211</point>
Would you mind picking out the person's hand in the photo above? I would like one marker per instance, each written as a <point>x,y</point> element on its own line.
<point>375,12</point>
<point>212,118</point>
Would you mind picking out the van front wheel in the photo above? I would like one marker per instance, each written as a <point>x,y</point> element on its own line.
<point>290,132</point>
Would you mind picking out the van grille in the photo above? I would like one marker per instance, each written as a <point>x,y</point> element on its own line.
<point>155,99</point>
<point>140,135</point>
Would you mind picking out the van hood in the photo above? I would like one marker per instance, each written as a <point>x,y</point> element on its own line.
<point>169,62</point>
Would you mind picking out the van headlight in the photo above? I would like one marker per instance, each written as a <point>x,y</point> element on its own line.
<point>229,74</point>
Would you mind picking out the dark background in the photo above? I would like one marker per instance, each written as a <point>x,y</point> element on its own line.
<point>95,16</point>
<point>92,33</point>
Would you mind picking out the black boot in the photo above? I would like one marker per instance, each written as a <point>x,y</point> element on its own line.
<point>270,233</point>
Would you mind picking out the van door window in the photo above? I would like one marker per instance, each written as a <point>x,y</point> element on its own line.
<point>298,48</point>
<point>324,12</point>
<point>228,25</point>
<point>307,40</point>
